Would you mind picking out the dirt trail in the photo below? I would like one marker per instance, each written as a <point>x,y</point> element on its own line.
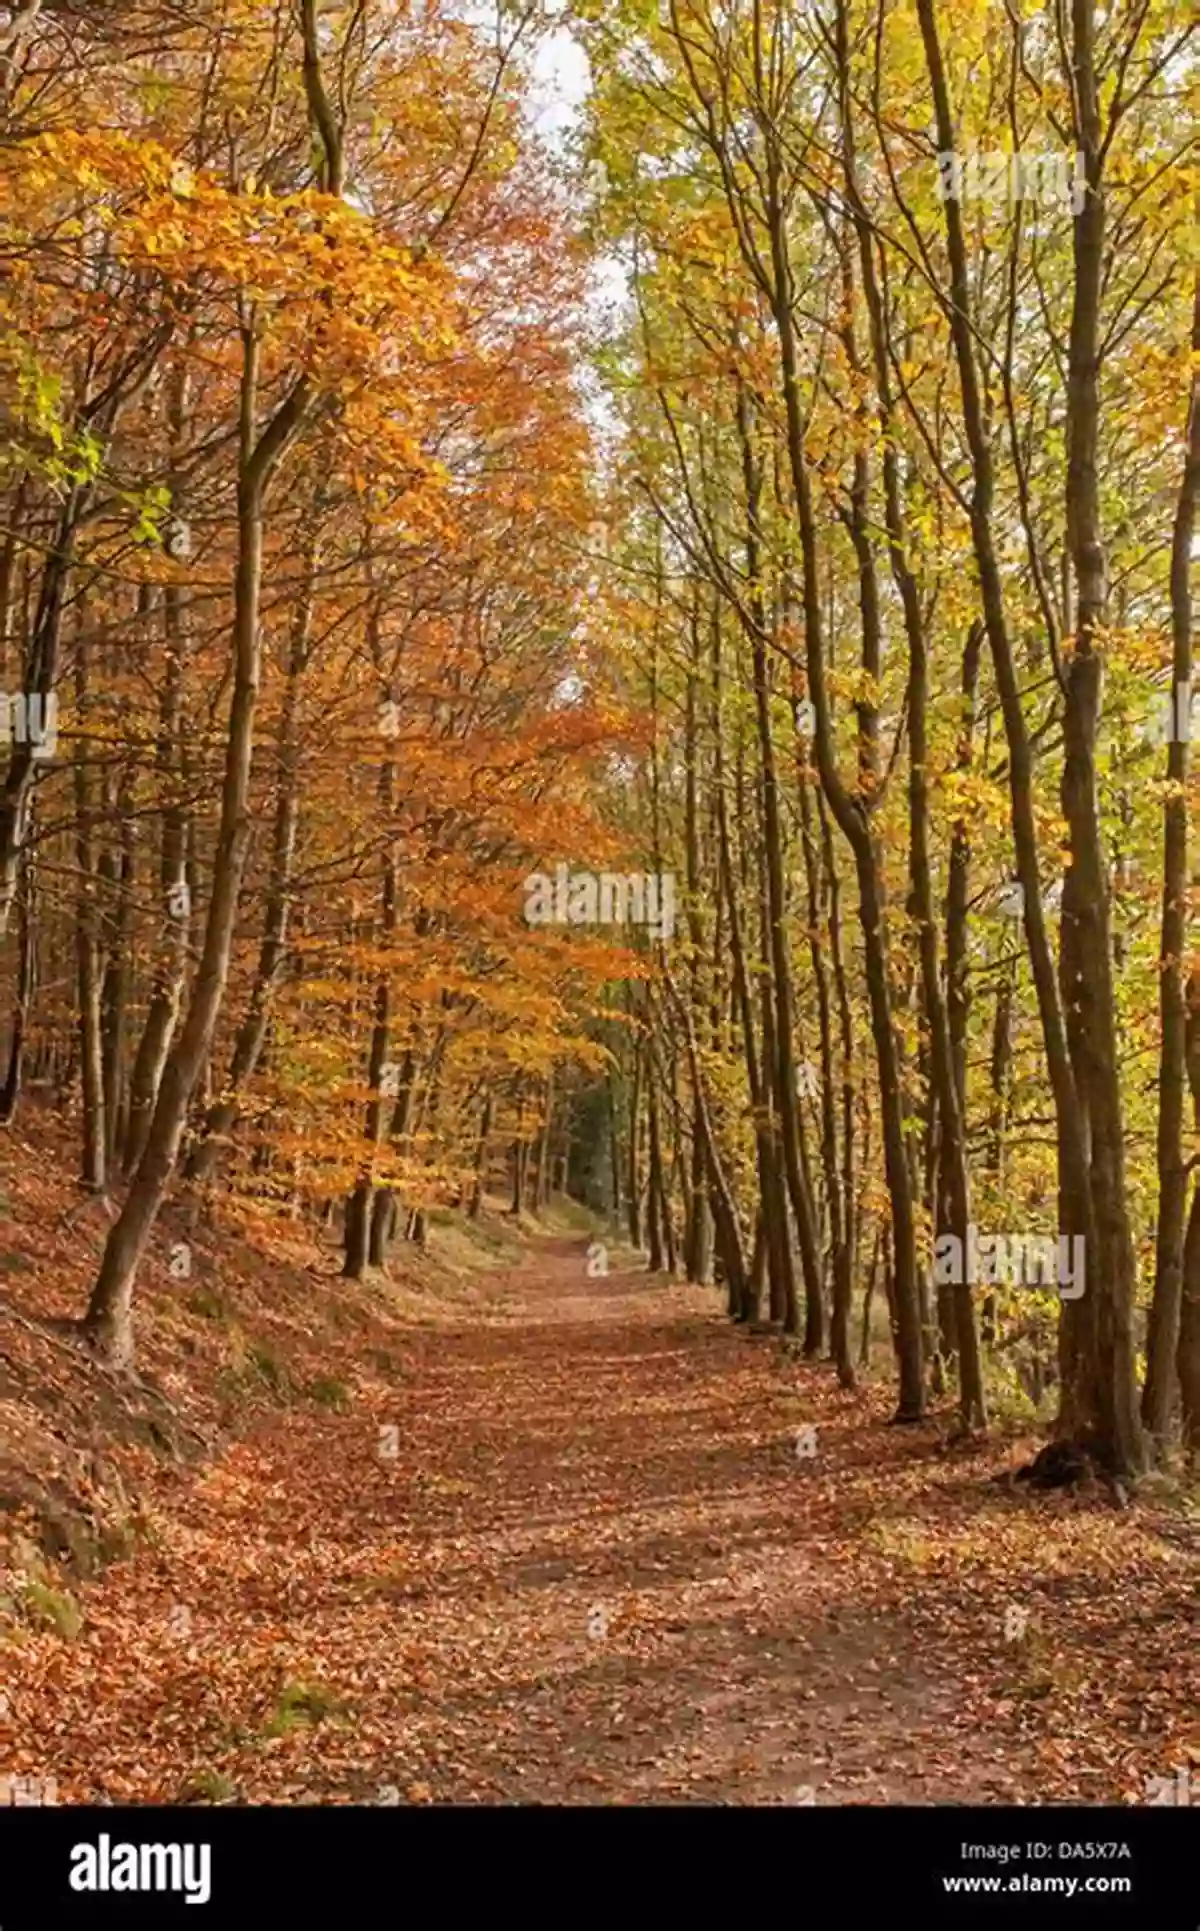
<point>584,1549</point>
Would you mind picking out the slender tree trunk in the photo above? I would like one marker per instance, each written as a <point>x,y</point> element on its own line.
<point>779,1067</point>
<point>728,1233</point>
<point>1188,1355</point>
<point>946,1103</point>
<point>633,1189</point>
<point>109,1319</point>
<point>274,949</point>
<point>171,960</point>
<point>839,1243</point>
<point>11,1092</point>
<point>1163,1330</point>
<point>385,1209</point>
<point>359,1206</point>
<point>852,813</point>
<point>698,1233</point>
<point>864,1342</point>
<point>541,1170</point>
<point>1104,1396</point>
<point>958,992</point>
<point>1094,1333</point>
<point>94,1168</point>
<point>481,1154</point>
<point>39,677</point>
<point>657,1206</point>
<point>518,1162</point>
<point>776,1252</point>
<point>119,869</point>
<point>849,1106</point>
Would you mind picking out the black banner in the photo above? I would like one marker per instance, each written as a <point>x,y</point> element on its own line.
<point>282,1867</point>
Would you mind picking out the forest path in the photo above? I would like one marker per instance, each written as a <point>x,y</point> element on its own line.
<point>582,1550</point>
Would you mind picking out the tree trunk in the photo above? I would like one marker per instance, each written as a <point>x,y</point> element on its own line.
<point>852,813</point>
<point>119,871</point>
<point>633,1189</point>
<point>1075,1196</point>
<point>11,1092</point>
<point>359,1206</point>
<point>1102,1402</point>
<point>171,961</point>
<point>94,1168</point>
<point>109,1319</point>
<point>779,1066</point>
<point>947,1102</point>
<point>1188,1355</point>
<point>39,677</point>
<point>1163,1329</point>
<point>273,952</point>
<point>475,1206</point>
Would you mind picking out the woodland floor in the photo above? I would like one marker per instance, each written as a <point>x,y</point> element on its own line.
<point>556,1543</point>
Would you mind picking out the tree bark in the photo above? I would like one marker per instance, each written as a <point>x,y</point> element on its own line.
<point>1163,1329</point>
<point>109,1319</point>
<point>171,961</point>
<point>1075,1196</point>
<point>93,1153</point>
<point>1103,1397</point>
